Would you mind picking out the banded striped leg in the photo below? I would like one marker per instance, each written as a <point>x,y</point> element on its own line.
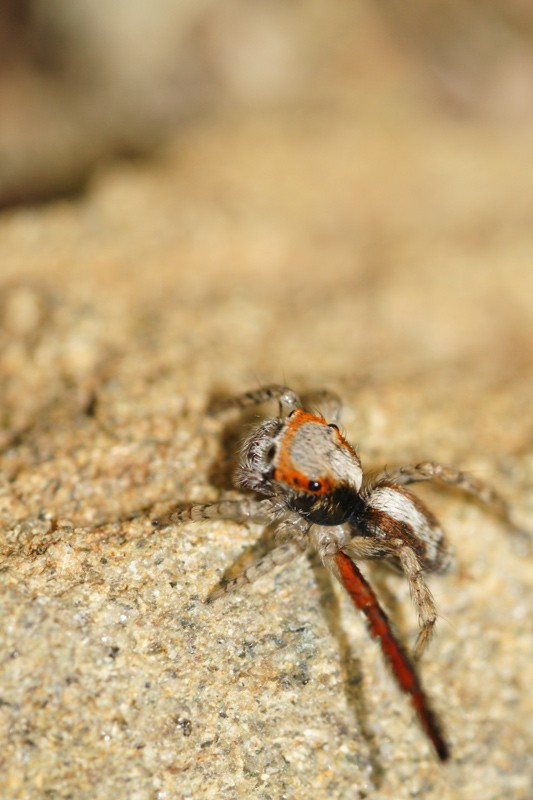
<point>406,559</point>
<point>245,510</point>
<point>365,600</point>
<point>275,558</point>
<point>288,400</point>
<point>421,596</point>
<point>431,470</point>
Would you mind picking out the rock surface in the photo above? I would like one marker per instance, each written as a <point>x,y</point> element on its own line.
<point>386,255</point>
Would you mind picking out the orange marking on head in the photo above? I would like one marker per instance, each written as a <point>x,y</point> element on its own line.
<point>285,471</point>
<point>296,479</point>
<point>299,417</point>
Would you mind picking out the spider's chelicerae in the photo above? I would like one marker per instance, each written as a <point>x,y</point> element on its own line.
<point>317,496</point>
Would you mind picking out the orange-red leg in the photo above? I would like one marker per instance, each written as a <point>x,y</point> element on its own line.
<point>366,601</point>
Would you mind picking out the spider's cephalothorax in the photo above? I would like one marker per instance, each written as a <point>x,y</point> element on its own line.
<point>315,493</point>
<point>307,462</point>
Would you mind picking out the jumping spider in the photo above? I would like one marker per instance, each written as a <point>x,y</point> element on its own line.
<point>317,496</point>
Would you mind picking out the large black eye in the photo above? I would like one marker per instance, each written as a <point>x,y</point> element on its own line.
<point>314,486</point>
<point>271,452</point>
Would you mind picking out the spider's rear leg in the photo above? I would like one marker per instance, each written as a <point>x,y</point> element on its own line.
<point>404,559</point>
<point>421,596</point>
<point>432,470</point>
<point>338,547</point>
<point>365,600</point>
<point>288,400</point>
<point>481,491</point>
<point>397,527</point>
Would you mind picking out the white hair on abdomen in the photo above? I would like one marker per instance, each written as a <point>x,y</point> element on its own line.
<point>402,508</point>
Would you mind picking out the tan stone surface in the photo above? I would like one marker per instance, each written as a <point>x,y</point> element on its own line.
<point>385,255</point>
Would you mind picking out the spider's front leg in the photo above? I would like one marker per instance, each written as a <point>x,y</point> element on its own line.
<point>421,596</point>
<point>288,400</point>
<point>291,530</point>
<point>245,510</point>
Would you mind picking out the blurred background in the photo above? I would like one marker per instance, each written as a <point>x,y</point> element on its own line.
<point>240,185</point>
<point>80,86</point>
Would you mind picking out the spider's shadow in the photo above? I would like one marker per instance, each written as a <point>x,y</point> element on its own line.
<point>233,432</point>
<point>351,667</point>
<point>249,556</point>
<point>224,465</point>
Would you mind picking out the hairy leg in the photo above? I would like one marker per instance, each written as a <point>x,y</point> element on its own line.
<point>432,470</point>
<point>245,510</point>
<point>288,400</point>
<point>421,596</point>
<point>402,557</point>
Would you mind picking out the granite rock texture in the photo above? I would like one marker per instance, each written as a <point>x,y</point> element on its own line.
<point>384,254</point>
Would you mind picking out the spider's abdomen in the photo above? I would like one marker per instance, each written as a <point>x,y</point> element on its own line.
<point>393,513</point>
